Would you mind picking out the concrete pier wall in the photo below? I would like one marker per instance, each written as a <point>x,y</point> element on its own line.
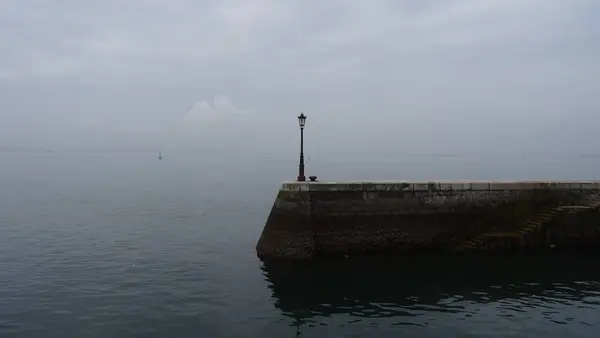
<point>311,218</point>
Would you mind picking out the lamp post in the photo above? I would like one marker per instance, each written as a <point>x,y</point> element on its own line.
<point>301,121</point>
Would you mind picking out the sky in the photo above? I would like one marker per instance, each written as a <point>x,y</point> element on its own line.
<point>431,76</point>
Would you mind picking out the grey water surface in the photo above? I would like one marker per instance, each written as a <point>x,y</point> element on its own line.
<point>123,245</point>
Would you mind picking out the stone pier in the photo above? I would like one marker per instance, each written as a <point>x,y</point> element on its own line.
<point>318,218</point>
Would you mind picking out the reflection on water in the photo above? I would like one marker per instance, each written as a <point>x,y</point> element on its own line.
<point>417,290</point>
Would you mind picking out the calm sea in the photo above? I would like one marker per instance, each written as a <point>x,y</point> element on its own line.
<point>125,245</point>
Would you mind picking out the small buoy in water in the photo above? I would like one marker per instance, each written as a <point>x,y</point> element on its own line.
<point>552,246</point>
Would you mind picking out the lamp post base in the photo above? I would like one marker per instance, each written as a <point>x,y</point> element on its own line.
<point>301,178</point>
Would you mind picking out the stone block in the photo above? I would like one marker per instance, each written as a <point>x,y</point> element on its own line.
<point>323,186</point>
<point>460,186</point>
<point>498,186</point>
<point>316,187</point>
<point>304,186</point>
<point>348,186</point>
<point>419,186</point>
<point>480,186</point>
<point>445,186</point>
<point>290,187</point>
<point>400,186</point>
<point>588,185</point>
<point>466,186</point>
<point>526,185</point>
<point>506,186</point>
<point>372,186</point>
<point>561,185</point>
<point>575,186</point>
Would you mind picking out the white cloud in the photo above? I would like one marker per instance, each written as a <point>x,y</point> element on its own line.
<point>202,112</point>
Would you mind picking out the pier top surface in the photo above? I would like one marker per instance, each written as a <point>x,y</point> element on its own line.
<point>436,185</point>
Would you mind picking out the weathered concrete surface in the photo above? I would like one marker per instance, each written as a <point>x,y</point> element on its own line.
<point>311,218</point>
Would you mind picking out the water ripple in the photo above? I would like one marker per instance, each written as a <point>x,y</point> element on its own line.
<point>110,248</point>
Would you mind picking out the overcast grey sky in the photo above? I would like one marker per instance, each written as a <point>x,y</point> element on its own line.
<point>415,75</point>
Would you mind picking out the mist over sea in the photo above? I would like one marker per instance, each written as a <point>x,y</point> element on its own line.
<point>111,243</point>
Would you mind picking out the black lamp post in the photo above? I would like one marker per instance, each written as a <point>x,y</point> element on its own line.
<point>301,121</point>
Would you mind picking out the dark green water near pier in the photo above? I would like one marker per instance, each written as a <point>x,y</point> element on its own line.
<point>124,245</point>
